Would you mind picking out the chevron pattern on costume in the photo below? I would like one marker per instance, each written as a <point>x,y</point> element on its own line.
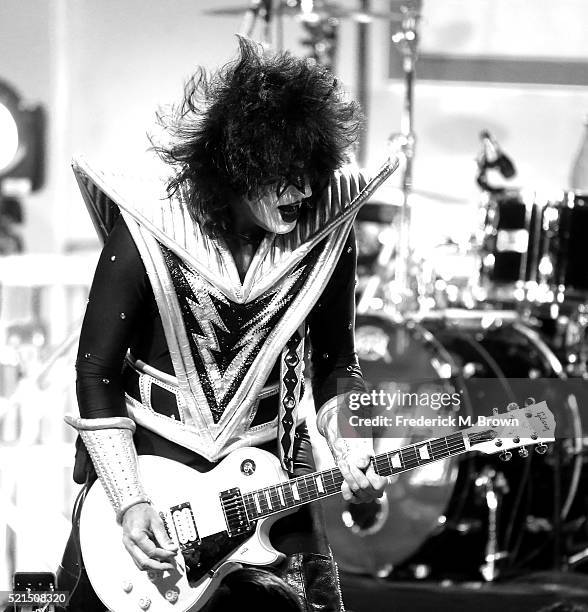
<point>225,337</point>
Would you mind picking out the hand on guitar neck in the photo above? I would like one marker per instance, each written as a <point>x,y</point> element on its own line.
<point>353,456</point>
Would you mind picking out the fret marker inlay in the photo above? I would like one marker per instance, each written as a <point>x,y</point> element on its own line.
<point>295,492</point>
<point>424,452</point>
<point>396,463</point>
<point>319,484</point>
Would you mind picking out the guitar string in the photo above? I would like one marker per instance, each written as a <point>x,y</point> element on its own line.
<point>311,492</point>
<point>309,481</point>
<point>307,487</point>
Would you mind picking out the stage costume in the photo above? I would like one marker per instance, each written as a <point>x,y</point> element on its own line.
<point>216,362</point>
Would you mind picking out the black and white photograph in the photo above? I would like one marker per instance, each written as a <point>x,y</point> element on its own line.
<point>293,305</point>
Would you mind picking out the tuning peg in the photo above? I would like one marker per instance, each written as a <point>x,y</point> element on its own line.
<point>523,452</point>
<point>505,455</point>
<point>541,448</point>
<point>512,406</point>
<point>529,401</point>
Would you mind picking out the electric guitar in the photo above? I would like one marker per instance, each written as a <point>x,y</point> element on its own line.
<point>221,519</point>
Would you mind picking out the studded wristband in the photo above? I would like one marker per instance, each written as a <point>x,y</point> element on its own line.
<point>110,444</point>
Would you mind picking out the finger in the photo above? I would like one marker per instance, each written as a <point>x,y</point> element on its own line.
<point>160,535</point>
<point>363,461</point>
<point>378,482</point>
<point>364,485</point>
<point>349,483</point>
<point>362,496</point>
<point>141,560</point>
<point>346,492</point>
<point>148,546</point>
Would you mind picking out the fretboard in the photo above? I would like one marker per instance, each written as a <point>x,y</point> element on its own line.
<point>305,489</point>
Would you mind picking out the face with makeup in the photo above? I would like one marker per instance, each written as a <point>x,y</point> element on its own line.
<point>276,209</point>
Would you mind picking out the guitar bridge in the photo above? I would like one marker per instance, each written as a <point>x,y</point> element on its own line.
<point>183,521</point>
<point>235,514</point>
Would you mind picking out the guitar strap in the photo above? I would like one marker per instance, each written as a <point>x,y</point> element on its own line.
<point>291,377</point>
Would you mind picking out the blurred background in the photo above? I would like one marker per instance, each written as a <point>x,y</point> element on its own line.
<point>86,77</point>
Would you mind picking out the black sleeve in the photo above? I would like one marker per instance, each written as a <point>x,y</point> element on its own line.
<point>335,367</point>
<point>118,297</point>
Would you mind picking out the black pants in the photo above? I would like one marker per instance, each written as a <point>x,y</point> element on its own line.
<point>309,568</point>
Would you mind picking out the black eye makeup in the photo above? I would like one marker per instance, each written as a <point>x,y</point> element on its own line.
<point>298,181</point>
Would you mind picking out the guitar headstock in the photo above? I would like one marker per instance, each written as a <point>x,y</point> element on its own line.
<point>515,428</point>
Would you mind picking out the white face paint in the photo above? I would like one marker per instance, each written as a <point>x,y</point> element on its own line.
<point>278,214</point>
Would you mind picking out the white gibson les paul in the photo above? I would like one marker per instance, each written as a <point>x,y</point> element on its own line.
<point>221,519</point>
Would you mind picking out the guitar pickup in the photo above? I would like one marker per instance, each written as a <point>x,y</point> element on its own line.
<point>235,514</point>
<point>182,519</point>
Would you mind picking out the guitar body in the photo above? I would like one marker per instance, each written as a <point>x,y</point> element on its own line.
<point>221,519</point>
<point>122,586</point>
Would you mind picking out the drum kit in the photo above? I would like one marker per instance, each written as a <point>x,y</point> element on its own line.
<point>502,319</point>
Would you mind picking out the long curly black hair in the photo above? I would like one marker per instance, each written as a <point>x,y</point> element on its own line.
<point>259,120</point>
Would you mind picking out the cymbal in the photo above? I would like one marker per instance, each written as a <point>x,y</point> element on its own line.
<point>378,212</point>
<point>322,11</point>
<point>392,196</point>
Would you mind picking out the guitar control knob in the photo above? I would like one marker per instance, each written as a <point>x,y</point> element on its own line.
<point>529,401</point>
<point>172,595</point>
<point>505,455</point>
<point>144,603</point>
<point>127,586</point>
<point>512,406</point>
<point>523,452</point>
<point>541,448</point>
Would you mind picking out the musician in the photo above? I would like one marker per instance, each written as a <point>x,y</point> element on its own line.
<point>209,297</point>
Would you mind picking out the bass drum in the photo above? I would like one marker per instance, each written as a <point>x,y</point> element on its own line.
<point>398,360</point>
<point>435,521</point>
<point>503,360</point>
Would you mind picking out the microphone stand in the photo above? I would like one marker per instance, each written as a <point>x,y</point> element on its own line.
<point>406,41</point>
<point>404,143</point>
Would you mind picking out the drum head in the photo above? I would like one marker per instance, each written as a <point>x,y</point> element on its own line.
<point>444,506</point>
<point>397,359</point>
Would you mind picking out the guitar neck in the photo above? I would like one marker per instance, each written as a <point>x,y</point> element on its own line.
<point>311,487</point>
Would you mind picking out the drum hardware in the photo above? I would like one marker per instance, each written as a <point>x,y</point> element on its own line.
<point>320,19</point>
<point>313,10</point>
<point>562,246</point>
<point>256,8</point>
<point>376,541</point>
<point>368,518</point>
<point>493,486</point>
<point>403,144</point>
<point>465,350</point>
<point>492,156</point>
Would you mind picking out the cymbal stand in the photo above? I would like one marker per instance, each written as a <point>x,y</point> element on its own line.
<point>265,9</point>
<point>494,486</point>
<point>406,40</point>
